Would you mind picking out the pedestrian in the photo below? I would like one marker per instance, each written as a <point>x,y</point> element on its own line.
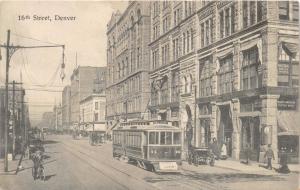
<point>215,148</point>
<point>283,161</point>
<point>269,155</point>
<point>248,153</point>
<point>224,151</point>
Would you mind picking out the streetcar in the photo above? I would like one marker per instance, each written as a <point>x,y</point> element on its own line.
<point>153,145</point>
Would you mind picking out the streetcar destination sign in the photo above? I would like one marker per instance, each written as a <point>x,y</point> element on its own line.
<point>168,166</point>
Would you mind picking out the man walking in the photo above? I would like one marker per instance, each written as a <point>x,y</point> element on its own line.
<point>269,155</point>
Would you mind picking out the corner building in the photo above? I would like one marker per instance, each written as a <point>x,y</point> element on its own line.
<point>247,77</point>
<point>227,70</point>
<point>128,64</point>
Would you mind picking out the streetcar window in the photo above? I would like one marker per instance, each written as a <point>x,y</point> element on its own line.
<point>176,138</point>
<point>168,137</point>
<point>153,138</point>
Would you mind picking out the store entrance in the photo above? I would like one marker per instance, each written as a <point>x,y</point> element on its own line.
<point>250,137</point>
<point>225,128</point>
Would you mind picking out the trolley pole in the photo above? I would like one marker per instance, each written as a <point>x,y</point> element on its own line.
<point>6,104</point>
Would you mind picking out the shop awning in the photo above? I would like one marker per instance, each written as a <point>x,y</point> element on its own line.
<point>288,123</point>
<point>290,48</point>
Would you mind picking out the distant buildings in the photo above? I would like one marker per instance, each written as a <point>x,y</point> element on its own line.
<point>66,107</point>
<point>127,90</point>
<point>58,112</point>
<point>85,81</point>
<point>92,112</point>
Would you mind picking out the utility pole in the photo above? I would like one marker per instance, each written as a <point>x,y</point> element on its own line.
<point>56,117</point>
<point>10,50</point>
<point>23,118</point>
<point>6,104</point>
<point>13,122</point>
<point>195,116</point>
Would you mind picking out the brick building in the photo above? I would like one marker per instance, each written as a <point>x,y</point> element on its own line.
<point>247,76</point>
<point>85,81</point>
<point>238,66</point>
<point>128,63</point>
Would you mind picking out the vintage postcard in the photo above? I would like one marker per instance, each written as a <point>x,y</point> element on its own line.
<point>136,95</point>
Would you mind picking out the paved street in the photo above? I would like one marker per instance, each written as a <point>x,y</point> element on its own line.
<point>74,164</point>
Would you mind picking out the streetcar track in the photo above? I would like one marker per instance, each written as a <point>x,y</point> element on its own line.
<point>95,168</point>
<point>190,183</point>
<point>110,166</point>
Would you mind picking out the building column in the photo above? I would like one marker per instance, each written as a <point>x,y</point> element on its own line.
<point>236,129</point>
<point>268,120</point>
<point>213,121</point>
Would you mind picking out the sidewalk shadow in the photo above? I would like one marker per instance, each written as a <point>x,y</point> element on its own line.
<point>30,167</point>
<point>49,176</point>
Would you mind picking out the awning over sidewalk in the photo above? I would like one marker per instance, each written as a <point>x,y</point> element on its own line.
<point>288,123</point>
<point>290,48</point>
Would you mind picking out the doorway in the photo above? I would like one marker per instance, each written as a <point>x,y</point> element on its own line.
<point>225,128</point>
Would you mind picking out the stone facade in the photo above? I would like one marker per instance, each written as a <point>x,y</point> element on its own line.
<point>240,76</point>
<point>128,63</point>
<point>236,62</point>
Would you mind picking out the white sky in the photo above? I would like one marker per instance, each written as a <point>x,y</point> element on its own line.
<point>86,36</point>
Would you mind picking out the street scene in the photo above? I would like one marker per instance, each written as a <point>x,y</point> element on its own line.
<point>74,164</point>
<point>149,95</point>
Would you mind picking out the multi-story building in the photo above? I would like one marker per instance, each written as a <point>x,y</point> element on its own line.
<point>174,26</point>
<point>128,63</point>
<point>248,76</point>
<point>227,70</point>
<point>92,111</point>
<point>57,110</point>
<point>18,121</point>
<point>66,107</point>
<point>85,80</point>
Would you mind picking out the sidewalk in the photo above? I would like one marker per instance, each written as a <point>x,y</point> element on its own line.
<point>254,167</point>
<point>12,165</point>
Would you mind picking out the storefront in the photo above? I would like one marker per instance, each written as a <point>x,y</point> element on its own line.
<point>225,127</point>
<point>205,132</point>
<point>288,134</point>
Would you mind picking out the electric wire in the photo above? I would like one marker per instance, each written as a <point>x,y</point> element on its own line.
<point>35,39</point>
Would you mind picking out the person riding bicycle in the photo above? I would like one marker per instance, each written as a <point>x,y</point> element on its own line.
<point>37,158</point>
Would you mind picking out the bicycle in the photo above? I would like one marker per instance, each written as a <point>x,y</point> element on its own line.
<point>38,170</point>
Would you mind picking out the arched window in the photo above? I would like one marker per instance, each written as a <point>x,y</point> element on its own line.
<point>138,13</point>
<point>185,84</point>
<point>188,41</point>
<point>132,20</point>
<point>183,43</point>
<point>190,81</point>
<point>165,91</point>
<point>192,39</point>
